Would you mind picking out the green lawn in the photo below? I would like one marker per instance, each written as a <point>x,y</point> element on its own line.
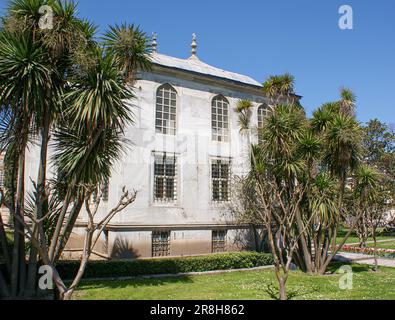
<point>253,285</point>
<point>354,239</point>
<point>384,245</point>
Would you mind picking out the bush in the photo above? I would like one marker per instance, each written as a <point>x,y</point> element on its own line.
<point>128,268</point>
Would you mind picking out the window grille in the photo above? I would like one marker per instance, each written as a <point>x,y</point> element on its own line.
<point>219,241</point>
<point>160,243</point>
<point>165,178</point>
<point>104,190</point>
<point>220,176</point>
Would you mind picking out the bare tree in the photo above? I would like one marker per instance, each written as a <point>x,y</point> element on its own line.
<point>265,202</point>
<point>93,232</point>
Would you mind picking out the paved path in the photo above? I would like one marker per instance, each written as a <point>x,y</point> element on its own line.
<point>363,259</point>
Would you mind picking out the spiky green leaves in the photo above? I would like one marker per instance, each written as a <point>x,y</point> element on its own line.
<point>24,71</point>
<point>130,47</point>
<point>100,98</point>
<point>279,86</point>
<point>323,197</point>
<point>244,110</point>
<point>343,145</point>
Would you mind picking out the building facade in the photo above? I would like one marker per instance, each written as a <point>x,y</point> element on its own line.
<point>185,147</point>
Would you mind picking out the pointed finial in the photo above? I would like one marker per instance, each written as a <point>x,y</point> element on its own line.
<point>154,44</point>
<point>193,45</point>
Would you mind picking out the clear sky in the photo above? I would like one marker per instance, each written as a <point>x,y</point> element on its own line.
<point>260,38</point>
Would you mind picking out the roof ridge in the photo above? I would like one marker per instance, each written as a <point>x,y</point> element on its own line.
<point>196,65</point>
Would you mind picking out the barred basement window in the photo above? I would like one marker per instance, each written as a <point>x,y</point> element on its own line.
<point>165,117</point>
<point>160,243</point>
<point>165,178</point>
<point>218,241</point>
<point>220,119</point>
<point>220,176</point>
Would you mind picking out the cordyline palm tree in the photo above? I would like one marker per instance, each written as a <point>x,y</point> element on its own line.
<point>342,154</point>
<point>335,124</point>
<point>280,88</point>
<point>130,47</point>
<point>97,105</point>
<point>126,50</point>
<point>323,116</point>
<point>57,45</point>
<point>347,102</point>
<point>40,72</point>
<point>24,75</point>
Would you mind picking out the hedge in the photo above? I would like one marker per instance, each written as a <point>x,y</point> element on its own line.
<point>128,268</point>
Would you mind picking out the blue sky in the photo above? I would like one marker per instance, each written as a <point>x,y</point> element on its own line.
<point>260,38</point>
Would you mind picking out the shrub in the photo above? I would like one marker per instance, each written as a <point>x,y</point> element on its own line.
<point>128,268</point>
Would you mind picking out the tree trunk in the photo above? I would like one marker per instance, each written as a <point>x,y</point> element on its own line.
<point>303,244</point>
<point>375,249</point>
<point>18,260</point>
<point>4,246</point>
<point>72,185</point>
<point>84,260</point>
<point>282,290</point>
<point>40,199</point>
<point>65,235</point>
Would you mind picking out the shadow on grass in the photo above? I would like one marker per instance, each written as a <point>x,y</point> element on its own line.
<point>133,283</point>
<point>356,268</point>
<point>274,293</point>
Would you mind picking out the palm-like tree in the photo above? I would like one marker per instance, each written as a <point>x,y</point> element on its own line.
<point>244,110</point>
<point>322,199</point>
<point>342,154</point>
<point>130,47</point>
<point>57,45</point>
<point>98,110</point>
<point>347,102</point>
<point>24,75</point>
<point>323,116</point>
<point>279,88</point>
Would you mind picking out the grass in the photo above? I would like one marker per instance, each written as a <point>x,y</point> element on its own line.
<point>353,238</point>
<point>383,245</point>
<point>251,285</point>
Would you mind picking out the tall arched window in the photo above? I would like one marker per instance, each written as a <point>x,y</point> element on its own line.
<point>166,110</point>
<point>263,111</point>
<point>220,119</point>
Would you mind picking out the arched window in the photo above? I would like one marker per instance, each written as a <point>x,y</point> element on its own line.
<point>220,119</point>
<point>263,111</point>
<point>166,110</point>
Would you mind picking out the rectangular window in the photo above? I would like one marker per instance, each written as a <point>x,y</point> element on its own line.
<point>220,119</point>
<point>104,190</point>
<point>160,243</point>
<point>165,178</point>
<point>220,176</point>
<point>218,241</point>
<point>166,110</point>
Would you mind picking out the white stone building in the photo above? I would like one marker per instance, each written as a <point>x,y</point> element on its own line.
<point>185,146</point>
